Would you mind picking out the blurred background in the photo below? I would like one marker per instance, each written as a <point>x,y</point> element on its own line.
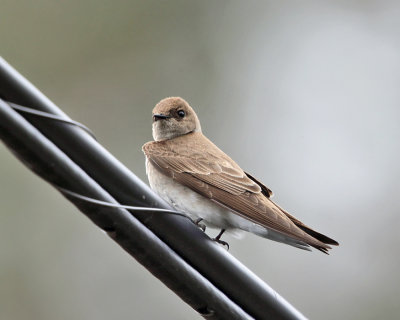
<point>303,95</point>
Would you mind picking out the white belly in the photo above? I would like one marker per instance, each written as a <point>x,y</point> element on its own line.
<point>196,206</point>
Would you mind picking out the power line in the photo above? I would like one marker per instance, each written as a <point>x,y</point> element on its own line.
<point>199,271</point>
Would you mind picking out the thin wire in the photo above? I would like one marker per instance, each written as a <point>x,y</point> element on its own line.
<point>49,116</point>
<point>115,205</point>
<point>77,195</point>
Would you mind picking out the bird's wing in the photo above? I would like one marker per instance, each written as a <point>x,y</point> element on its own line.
<point>198,164</point>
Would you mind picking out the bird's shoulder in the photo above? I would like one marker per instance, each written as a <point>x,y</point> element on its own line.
<point>196,155</point>
<point>193,147</point>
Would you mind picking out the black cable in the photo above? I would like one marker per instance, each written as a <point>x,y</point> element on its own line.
<point>50,163</point>
<point>227,274</point>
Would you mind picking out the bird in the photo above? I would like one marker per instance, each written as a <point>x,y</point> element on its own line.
<point>197,178</point>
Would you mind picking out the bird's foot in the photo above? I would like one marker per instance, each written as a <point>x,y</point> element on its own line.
<point>202,226</point>
<point>224,243</point>
<point>218,239</point>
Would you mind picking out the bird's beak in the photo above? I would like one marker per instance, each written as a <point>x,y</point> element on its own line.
<point>157,117</point>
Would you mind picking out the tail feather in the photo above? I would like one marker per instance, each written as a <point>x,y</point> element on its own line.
<point>319,236</point>
<point>323,240</point>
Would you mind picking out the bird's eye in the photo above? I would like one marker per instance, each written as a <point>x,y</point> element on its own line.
<point>181,113</point>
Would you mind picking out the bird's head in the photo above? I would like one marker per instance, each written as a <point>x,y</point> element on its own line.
<point>173,117</point>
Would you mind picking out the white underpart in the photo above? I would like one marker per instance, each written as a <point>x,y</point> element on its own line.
<point>196,206</point>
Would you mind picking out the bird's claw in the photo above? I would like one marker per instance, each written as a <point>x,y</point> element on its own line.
<point>202,226</point>
<point>224,243</point>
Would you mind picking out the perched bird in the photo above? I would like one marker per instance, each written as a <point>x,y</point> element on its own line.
<point>192,174</point>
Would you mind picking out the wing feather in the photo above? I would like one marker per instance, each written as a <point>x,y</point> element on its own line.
<point>198,164</point>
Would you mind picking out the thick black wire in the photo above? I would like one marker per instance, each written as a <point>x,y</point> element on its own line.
<point>224,271</point>
<point>50,163</point>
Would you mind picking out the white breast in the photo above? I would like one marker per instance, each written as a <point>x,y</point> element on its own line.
<point>196,206</point>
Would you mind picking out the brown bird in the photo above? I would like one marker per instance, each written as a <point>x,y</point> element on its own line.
<point>192,174</point>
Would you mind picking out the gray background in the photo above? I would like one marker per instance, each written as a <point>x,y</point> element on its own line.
<point>303,95</point>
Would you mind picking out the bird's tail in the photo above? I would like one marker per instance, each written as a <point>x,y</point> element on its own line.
<point>316,235</point>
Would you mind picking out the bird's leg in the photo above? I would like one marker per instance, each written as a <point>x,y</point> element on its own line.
<point>202,226</point>
<point>218,239</point>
